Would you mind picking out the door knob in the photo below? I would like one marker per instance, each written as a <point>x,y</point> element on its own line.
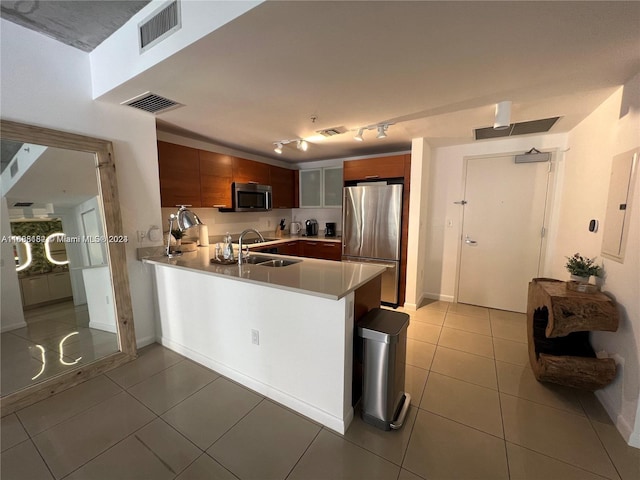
<point>468,241</point>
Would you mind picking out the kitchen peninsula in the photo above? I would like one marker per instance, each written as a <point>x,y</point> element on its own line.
<point>285,332</point>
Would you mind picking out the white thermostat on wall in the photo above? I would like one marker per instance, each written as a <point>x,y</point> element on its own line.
<point>155,235</point>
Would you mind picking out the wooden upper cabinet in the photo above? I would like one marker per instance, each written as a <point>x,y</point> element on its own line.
<point>282,182</point>
<point>248,171</point>
<point>179,171</point>
<point>216,176</point>
<point>374,168</point>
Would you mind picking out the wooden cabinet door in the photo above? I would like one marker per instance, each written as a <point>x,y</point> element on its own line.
<point>374,168</point>
<point>330,250</point>
<point>179,170</point>
<point>216,176</point>
<point>282,182</point>
<point>310,249</point>
<point>322,250</point>
<point>248,171</point>
<point>289,248</point>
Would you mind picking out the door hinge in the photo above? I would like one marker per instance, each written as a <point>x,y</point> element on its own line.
<point>461,202</point>
<point>543,232</point>
<point>550,166</point>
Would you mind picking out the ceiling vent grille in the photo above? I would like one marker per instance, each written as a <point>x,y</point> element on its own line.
<point>330,132</point>
<point>150,102</point>
<point>23,204</point>
<point>521,128</point>
<point>159,25</point>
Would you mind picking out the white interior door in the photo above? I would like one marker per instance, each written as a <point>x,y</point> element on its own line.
<point>502,231</point>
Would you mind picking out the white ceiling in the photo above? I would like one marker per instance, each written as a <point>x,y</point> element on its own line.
<point>63,178</point>
<point>436,69</point>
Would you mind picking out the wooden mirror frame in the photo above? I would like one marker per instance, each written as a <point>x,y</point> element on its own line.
<point>108,191</point>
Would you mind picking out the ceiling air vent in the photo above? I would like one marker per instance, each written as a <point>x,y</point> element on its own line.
<point>150,102</point>
<point>159,25</point>
<point>521,128</point>
<point>23,204</point>
<point>330,132</point>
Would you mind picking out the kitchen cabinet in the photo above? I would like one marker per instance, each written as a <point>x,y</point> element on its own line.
<point>43,288</point>
<point>322,250</point>
<point>310,185</point>
<point>216,176</point>
<point>282,182</point>
<point>289,248</point>
<point>321,187</point>
<point>332,187</point>
<point>59,285</point>
<point>248,171</point>
<point>179,171</point>
<point>375,168</point>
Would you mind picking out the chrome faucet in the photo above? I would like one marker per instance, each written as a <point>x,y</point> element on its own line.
<point>248,230</point>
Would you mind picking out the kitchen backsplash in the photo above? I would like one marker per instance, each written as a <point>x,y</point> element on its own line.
<point>219,223</point>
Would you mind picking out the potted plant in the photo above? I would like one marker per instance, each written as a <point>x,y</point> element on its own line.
<point>177,234</point>
<point>581,268</point>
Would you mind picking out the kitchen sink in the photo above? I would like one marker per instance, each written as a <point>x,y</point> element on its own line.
<point>278,263</point>
<point>269,261</point>
<point>255,259</point>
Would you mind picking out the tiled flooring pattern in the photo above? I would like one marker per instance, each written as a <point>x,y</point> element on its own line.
<point>57,337</point>
<point>477,413</point>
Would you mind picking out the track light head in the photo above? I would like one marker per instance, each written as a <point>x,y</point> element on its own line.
<point>278,148</point>
<point>503,116</point>
<point>358,137</point>
<point>303,145</point>
<point>382,131</point>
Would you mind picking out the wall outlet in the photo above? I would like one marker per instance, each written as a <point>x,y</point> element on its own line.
<point>255,337</point>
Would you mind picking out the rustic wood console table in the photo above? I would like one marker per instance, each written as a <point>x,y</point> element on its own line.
<point>558,325</point>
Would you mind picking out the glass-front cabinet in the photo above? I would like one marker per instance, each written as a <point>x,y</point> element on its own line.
<point>321,187</point>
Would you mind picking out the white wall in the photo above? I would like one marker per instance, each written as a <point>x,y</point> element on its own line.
<point>11,315</point>
<point>48,84</point>
<point>418,203</point>
<point>444,218</point>
<point>117,59</point>
<point>613,128</point>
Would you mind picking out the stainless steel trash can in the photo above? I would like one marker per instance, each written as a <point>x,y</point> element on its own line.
<point>384,402</point>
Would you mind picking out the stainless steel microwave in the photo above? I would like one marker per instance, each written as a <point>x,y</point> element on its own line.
<point>251,197</point>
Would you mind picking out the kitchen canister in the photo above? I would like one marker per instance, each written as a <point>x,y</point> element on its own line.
<point>203,235</point>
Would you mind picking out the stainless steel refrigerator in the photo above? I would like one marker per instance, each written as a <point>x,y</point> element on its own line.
<point>371,231</point>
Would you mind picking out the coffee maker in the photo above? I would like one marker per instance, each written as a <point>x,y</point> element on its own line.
<point>312,227</point>
<point>330,229</point>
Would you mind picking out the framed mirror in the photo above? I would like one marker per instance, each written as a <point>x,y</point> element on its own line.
<point>66,306</point>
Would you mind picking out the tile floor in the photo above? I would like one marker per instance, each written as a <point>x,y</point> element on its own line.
<point>477,413</point>
<point>57,337</point>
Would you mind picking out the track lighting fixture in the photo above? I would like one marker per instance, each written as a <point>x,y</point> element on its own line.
<point>381,127</point>
<point>301,144</point>
<point>503,116</point>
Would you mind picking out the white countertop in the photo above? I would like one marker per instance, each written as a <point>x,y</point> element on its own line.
<point>321,278</point>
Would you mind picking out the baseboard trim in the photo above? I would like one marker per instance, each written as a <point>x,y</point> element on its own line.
<point>439,296</point>
<point>105,327</point>
<point>13,326</point>
<point>143,342</point>
<point>330,421</point>
<point>632,438</point>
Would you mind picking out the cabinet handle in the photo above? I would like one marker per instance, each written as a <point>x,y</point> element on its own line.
<point>330,245</point>
<point>312,243</point>
<point>293,244</point>
<point>219,206</point>
<point>251,181</point>
<point>371,176</point>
